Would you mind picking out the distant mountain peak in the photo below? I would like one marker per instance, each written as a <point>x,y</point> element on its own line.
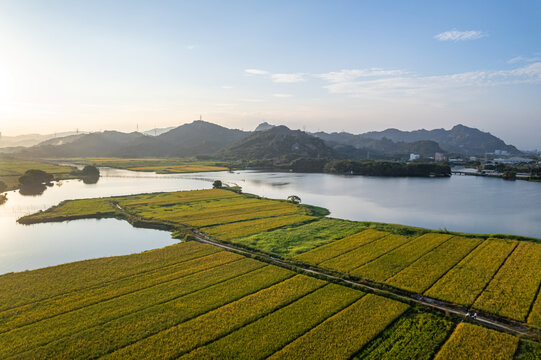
<point>264,126</point>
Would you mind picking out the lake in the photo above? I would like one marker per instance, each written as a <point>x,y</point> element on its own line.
<point>460,203</point>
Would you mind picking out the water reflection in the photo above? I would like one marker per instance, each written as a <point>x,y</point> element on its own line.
<point>459,203</point>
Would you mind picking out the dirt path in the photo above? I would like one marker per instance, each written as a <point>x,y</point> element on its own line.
<point>491,322</point>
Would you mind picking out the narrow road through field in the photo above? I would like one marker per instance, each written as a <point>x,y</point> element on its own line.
<point>502,325</point>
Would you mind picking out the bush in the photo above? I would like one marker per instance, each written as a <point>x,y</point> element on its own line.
<point>35,177</point>
<point>217,184</point>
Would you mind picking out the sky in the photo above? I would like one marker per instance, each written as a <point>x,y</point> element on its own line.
<point>351,66</point>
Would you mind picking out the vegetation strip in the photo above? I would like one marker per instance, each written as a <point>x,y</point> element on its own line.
<point>79,300</point>
<point>95,316</point>
<point>463,283</point>
<point>20,289</point>
<point>269,334</point>
<point>364,254</point>
<point>412,336</point>
<point>513,289</point>
<point>180,339</point>
<point>339,247</point>
<point>396,260</point>
<point>424,272</point>
<point>298,239</point>
<point>341,336</point>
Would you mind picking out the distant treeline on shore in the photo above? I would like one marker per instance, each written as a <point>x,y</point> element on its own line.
<point>365,167</point>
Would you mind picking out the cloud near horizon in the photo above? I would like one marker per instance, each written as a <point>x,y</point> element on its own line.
<point>455,35</point>
<point>377,83</point>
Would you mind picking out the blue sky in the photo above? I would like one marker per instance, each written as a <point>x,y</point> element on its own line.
<point>330,65</point>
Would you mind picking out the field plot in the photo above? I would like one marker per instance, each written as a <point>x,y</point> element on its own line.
<point>342,335</point>
<point>189,335</point>
<point>269,334</point>
<point>394,261</point>
<point>339,247</point>
<point>293,240</point>
<point>474,342</point>
<point>364,254</point>
<point>513,289</point>
<point>158,165</point>
<point>424,272</point>
<point>12,169</point>
<point>220,213</point>
<point>413,336</point>
<point>463,283</point>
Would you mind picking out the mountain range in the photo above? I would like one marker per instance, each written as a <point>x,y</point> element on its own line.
<point>201,138</point>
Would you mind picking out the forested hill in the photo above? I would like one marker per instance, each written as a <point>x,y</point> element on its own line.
<point>278,142</point>
<point>460,139</point>
<point>201,138</point>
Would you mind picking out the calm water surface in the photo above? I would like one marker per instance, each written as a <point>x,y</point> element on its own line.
<point>460,203</point>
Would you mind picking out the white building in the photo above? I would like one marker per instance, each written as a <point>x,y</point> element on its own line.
<point>414,157</point>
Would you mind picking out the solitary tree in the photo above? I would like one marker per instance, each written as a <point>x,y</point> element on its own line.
<point>217,184</point>
<point>294,199</point>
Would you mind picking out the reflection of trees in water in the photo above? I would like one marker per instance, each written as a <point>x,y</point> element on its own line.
<point>32,189</point>
<point>91,179</point>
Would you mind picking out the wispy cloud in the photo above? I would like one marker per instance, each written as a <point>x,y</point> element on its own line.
<point>352,74</point>
<point>288,78</point>
<point>227,87</point>
<point>523,59</point>
<point>414,85</point>
<point>256,72</point>
<point>190,47</point>
<point>455,35</point>
<point>282,95</point>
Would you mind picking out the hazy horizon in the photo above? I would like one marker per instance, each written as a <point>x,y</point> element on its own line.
<point>313,65</point>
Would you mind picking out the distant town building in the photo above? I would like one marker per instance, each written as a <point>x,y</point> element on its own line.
<point>501,152</point>
<point>414,157</point>
<point>513,160</point>
<point>439,157</point>
<point>473,158</point>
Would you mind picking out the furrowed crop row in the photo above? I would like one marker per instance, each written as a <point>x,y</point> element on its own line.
<point>106,338</point>
<point>183,209</point>
<point>362,255</point>
<point>513,288</point>
<point>19,289</point>
<point>180,339</point>
<point>463,283</point>
<point>344,334</point>
<point>211,216</point>
<point>475,342</point>
<point>396,260</point>
<point>269,334</point>
<point>235,230</point>
<point>96,315</point>
<point>339,247</point>
<point>181,197</point>
<point>209,208</point>
<point>412,336</point>
<point>424,272</point>
<point>74,301</point>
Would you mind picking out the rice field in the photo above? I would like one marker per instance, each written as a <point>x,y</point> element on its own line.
<point>158,165</point>
<point>463,283</point>
<point>188,300</point>
<point>196,301</point>
<point>475,342</point>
